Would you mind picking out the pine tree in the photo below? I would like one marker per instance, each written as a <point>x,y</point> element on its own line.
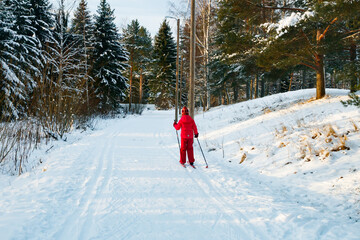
<point>308,40</point>
<point>109,57</point>
<point>162,85</point>
<point>137,42</point>
<point>146,51</point>
<point>354,100</point>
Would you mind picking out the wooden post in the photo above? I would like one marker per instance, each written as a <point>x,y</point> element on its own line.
<point>177,72</point>
<point>192,61</point>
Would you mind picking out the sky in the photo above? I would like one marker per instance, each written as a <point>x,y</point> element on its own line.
<point>150,13</point>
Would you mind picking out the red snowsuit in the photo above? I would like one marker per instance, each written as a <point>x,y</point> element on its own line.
<point>188,129</point>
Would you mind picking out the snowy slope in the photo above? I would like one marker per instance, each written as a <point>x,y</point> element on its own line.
<point>123,181</point>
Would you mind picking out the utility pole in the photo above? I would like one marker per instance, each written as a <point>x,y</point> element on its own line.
<point>177,71</point>
<point>192,61</point>
<point>177,67</point>
<point>181,80</point>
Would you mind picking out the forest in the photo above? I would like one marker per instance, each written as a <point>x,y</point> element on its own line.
<point>59,69</point>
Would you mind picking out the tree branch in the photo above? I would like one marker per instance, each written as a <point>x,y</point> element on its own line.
<point>308,65</point>
<point>353,34</point>
<point>276,8</point>
<point>327,29</point>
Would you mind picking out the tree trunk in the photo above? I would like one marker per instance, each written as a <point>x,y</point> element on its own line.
<point>256,87</point>
<point>236,94</point>
<point>247,90</point>
<point>130,89</point>
<point>141,87</point>
<point>353,80</point>
<point>251,88</point>
<point>320,78</point>
<point>262,93</point>
<point>291,80</point>
<point>227,96</point>
<point>303,79</point>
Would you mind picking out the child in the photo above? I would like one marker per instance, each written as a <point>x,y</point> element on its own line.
<point>188,129</point>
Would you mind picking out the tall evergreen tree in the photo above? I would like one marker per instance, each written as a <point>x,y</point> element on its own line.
<point>82,28</point>
<point>12,62</point>
<point>109,59</point>
<point>146,51</point>
<point>8,77</point>
<point>26,49</point>
<point>137,42</point>
<point>43,21</point>
<point>302,42</point>
<point>162,85</point>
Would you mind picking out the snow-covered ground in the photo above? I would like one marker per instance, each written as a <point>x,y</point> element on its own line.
<point>299,177</point>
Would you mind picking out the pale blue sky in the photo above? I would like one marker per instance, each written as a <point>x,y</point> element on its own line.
<point>150,13</point>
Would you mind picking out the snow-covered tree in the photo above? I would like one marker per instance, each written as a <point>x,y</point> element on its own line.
<point>63,98</point>
<point>109,59</point>
<point>82,28</point>
<point>43,21</point>
<point>162,84</point>
<point>12,91</point>
<point>26,50</point>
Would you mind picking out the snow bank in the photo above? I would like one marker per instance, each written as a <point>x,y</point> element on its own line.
<point>302,148</point>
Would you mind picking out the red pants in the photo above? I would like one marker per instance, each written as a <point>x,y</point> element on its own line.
<point>187,146</point>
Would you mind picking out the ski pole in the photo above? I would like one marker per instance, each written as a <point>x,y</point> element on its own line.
<point>177,135</point>
<point>202,153</point>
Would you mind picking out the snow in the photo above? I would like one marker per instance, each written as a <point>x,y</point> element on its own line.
<point>123,180</point>
<point>292,20</point>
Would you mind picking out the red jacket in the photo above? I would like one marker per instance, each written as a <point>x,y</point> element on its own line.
<point>187,125</point>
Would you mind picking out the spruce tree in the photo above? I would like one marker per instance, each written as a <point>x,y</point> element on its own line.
<point>82,28</point>
<point>27,49</point>
<point>11,86</point>
<point>237,39</point>
<point>162,84</point>
<point>109,60</point>
<point>43,21</point>
<point>26,53</point>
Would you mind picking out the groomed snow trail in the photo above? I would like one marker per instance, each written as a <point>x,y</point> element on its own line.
<point>125,182</point>
<point>122,182</point>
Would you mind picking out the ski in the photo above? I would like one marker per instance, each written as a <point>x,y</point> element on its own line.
<point>183,165</point>
<point>193,166</point>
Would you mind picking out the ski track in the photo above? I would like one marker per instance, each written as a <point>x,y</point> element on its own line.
<point>127,183</point>
<point>76,224</point>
